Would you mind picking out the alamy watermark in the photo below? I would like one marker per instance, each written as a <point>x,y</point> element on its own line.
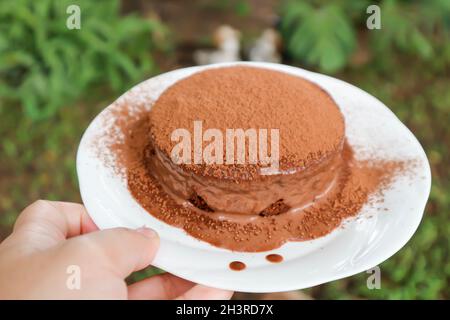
<point>374,20</point>
<point>374,280</point>
<point>73,281</point>
<point>74,19</point>
<point>240,146</point>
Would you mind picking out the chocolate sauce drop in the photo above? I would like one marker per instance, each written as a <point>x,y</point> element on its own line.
<point>274,258</point>
<point>237,266</point>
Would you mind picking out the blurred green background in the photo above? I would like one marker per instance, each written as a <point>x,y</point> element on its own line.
<point>53,81</point>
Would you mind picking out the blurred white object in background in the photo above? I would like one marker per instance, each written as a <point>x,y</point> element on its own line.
<point>226,40</point>
<point>266,47</point>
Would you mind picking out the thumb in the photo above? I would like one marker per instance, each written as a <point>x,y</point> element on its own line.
<point>120,250</point>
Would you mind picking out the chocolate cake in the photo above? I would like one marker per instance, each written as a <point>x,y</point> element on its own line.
<point>311,140</point>
<point>242,202</point>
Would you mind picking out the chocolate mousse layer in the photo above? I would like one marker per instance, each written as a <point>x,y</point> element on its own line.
<point>311,139</point>
<point>227,199</point>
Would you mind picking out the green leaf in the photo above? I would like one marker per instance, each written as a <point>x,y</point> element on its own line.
<point>421,44</point>
<point>319,36</point>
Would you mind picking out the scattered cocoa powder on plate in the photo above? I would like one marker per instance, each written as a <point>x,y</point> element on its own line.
<point>356,183</point>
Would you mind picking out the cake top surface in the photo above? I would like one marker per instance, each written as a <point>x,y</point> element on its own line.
<point>309,122</point>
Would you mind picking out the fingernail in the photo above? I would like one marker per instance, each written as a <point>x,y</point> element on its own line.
<point>149,233</point>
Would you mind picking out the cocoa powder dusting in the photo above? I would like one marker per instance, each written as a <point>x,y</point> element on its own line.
<point>248,97</point>
<point>356,182</point>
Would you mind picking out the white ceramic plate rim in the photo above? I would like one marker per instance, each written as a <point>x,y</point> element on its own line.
<point>363,243</point>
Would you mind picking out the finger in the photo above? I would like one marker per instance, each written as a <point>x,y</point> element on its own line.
<point>120,250</point>
<point>47,223</point>
<point>161,287</point>
<point>79,221</point>
<point>200,292</point>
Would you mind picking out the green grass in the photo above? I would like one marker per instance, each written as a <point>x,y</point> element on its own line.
<point>40,56</point>
<point>418,94</point>
<point>38,158</point>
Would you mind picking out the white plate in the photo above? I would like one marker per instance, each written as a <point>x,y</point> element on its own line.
<point>364,242</point>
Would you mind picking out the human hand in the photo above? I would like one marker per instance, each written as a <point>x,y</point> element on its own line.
<point>50,237</point>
